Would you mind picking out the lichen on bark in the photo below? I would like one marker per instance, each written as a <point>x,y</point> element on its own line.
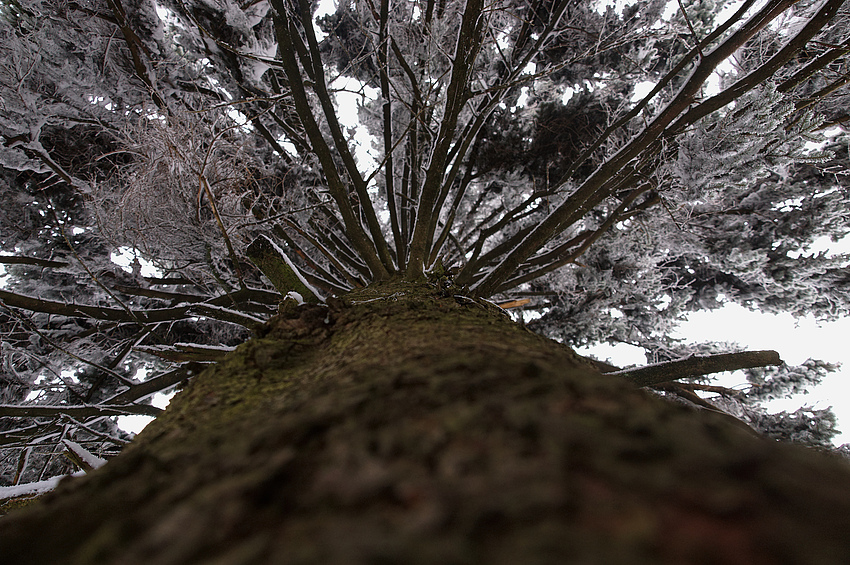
<point>405,424</point>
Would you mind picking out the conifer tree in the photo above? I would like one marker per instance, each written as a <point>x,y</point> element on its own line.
<point>250,157</point>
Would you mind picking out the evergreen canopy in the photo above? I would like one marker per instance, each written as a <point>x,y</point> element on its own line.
<point>607,169</point>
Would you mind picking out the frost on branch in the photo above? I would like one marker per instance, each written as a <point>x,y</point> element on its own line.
<point>158,205</point>
<point>746,143</point>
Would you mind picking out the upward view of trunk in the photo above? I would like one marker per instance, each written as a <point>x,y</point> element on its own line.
<point>404,424</point>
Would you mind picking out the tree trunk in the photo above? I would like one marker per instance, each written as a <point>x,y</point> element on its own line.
<point>402,424</point>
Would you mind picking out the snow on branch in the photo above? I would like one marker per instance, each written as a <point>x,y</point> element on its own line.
<point>154,315</point>
<point>183,352</point>
<point>280,270</point>
<point>33,489</point>
<point>82,457</point>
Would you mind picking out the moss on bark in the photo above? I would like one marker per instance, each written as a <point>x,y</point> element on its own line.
<point>402,424</point>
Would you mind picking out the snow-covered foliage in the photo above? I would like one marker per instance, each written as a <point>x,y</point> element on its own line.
<point>745,144</point>
<point>805,425</point>
<point>161,207</point>
<point>514,149</point>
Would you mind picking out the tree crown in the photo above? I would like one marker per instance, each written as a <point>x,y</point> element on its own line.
<point>608,170</point>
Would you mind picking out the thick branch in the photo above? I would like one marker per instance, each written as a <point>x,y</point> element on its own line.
<point>186,352</point>
<point>354,230</point>
<point>16,260</point>
<point>320,277</point>
<point>562,216</point>
<point>279,269</point>
<point>696,366</point>
<point>156,384</point>
<point>210,309</point>
<point>819,63</point>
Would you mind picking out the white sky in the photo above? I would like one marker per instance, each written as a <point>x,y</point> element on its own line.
<point>135,424</point>
<point>795,339</point>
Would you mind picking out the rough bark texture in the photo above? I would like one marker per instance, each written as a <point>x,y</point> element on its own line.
<point>406,425</point>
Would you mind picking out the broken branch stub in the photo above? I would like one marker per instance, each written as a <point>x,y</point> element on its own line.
<point>282,273</point>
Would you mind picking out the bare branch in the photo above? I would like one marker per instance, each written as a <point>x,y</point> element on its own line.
<point>697,366</point>
<point>365,247</point>
<point>79,411</point>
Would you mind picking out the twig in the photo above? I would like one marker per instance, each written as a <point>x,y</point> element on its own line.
<point>79,411</point>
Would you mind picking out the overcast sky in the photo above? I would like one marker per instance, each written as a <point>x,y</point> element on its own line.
<point>795,339</point>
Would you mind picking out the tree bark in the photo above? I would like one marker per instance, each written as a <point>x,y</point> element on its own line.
<point>402,424</point>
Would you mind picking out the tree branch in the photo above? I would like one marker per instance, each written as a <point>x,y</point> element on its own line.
<point>469,134</point>
<point>466,51</point>
<point>823,16</point>
<point>819,63</point>
<point>696,366</point>
<point>135,45</point>
<point>17,260</point>
<point>78,411</point>
<point>332,259</point>
<point>562,217</point>
<point>155,384</point>
<point>210,308</point>
<point>339,140</point>
<point>556,258</point>
<point>280,270</point>
<point>354,230</point>
<point>389,146</point>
